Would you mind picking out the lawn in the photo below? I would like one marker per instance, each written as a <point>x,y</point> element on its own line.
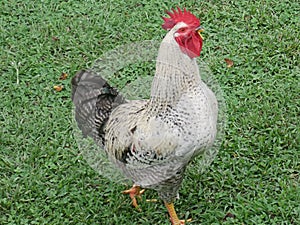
<point>44,179</point>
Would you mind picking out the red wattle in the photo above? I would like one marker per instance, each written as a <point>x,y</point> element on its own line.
<point>192,45</point>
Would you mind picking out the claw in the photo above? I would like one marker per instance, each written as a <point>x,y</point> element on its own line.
<point>180,222</point>
<point>134,192</point>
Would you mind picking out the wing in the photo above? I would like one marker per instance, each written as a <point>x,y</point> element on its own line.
<point>142,147</point>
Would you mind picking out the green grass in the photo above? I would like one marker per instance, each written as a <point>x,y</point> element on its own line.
<point>45,180</point>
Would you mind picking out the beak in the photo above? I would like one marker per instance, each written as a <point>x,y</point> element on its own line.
<point>199,30</point>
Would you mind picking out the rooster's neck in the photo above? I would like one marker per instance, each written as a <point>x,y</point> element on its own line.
<point>176,73</point>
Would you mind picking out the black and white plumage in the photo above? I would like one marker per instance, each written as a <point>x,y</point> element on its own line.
<point>94,100</point>
<point>153,140</point>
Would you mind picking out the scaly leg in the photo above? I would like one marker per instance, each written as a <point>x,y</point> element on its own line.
<point>133,192</point>
<point>173,215</point>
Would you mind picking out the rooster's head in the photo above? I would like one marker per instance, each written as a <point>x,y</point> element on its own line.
<point>186,31</point>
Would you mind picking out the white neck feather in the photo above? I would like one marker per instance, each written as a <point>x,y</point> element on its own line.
<point>175,72</point>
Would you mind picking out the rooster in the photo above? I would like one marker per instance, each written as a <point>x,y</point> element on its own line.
<point>152,141</point>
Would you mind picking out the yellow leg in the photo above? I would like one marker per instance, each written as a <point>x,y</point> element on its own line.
<point>133,192</point>
<point>173,215</point>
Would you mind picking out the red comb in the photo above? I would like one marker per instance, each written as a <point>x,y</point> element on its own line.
<point>180,16</point>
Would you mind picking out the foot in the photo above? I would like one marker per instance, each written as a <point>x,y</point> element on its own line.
<point>179,222</point>
<point>173,216</point>
<point>134,192</point>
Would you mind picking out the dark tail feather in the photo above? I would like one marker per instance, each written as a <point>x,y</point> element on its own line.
<point>94,101</point>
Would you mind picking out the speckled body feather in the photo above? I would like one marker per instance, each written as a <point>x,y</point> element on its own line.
<point>152,141</point>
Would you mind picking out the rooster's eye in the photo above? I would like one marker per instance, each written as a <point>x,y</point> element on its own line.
<point>183,29</point>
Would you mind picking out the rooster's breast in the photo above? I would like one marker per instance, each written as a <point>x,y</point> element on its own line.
<point>194,120</point>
